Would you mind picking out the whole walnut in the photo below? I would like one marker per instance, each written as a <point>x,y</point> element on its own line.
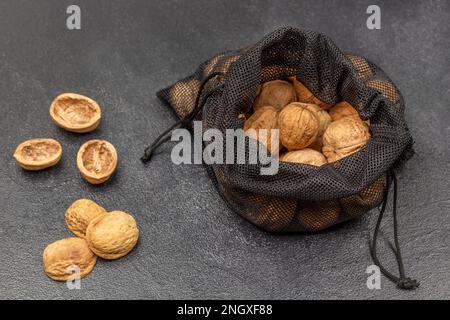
<point>277,93</point>
<point>271,213</point>
<point>306,96</point>
<point>183,96</point>
<point>317,216</point>
<point>324,121</point>
<point>299,127</point>
<point>305,156</point>
<point>343,109</point>
<point>263,118</point>
<point>344,137</point>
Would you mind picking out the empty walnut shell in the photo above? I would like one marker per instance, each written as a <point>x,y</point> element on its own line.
<point>305,156</point>
<point>299,127</point>
<point>80,214</point>
<point>61,257</point>
<point>97,161</point>
<point>38,154</point>
<point>277,93</point>
<point>318,216</point>
<point>112,235</point>
<point>344,137</point>
<point>306,96</point>
<point>75,112</point>
<point>343,109</point>
<point>264,118</point>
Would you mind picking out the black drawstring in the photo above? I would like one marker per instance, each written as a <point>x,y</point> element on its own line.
<point>164,137</point>
<point>402,281</point>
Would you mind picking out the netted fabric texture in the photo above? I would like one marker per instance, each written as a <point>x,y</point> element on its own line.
<point>299,197</point>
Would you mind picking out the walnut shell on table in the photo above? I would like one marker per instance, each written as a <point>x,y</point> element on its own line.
<point>264,118</point>
<point>304,156</point>
<point>75,112</point>
<point>306,96</point>
<point>60,258</point>
<point>38,154</point>
<point>276,93</point>
<point>299,127</point>
<point>80,214</point>
<point>344,137</point>
<point>113,235</point>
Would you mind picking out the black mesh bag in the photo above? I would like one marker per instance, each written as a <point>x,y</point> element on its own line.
<point>299,197</point>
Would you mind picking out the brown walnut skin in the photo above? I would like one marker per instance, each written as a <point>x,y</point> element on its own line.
<point>304,156</point>
<point>75,112</point>
<point>343,109</point>
<point>264,118</point>
<point>113,235</point>
<point>59,256</point>
<point>306,96</point>
<point>80,214</point>
<point>38,154</point>
<point>324,121</point>
<point>97,161</point>
<point>277,93</point>
<point>299,127</point>
<point>344,137</point>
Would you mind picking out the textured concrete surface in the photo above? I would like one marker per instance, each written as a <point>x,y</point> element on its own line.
<point>191,245</point>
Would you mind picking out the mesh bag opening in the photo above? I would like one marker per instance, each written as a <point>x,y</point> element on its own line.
<point>299,197</point>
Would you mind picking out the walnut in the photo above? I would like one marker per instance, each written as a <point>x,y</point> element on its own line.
<point>80,214</point>
<point>306,96</point>
<point>97,161</point>
<point>324,120</point>
<point>112,235</point>
<point>361,66</point>
<point>38,154</point>
<point>344,137</point>
<point>272,214</point>
<point>61,256</point>
<point>317,216</point>
<point>277,93</point>
<point>183,96</point>
<point>343,109</point>
<point>299,127</point>
<point>305,156</point>
<point>75,112</point>
<point>263,118</point>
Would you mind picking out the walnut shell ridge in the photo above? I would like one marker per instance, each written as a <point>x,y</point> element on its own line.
<point>276,93</point>
<point>80,214</point>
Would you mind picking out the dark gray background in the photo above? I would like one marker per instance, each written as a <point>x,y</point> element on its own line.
<point>191,244</point>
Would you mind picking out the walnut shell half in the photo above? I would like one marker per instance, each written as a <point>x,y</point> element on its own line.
<point>299,127</point>
<point>305,156</point>
<point>112,235</point>
<point>38,154</point>
<point>75,112</point>
<point>80,214</point>
<point>61,256</point>
<point>97,161</point>
<point>344,137</point>
<point>277,93</point>
<point>264,118</point>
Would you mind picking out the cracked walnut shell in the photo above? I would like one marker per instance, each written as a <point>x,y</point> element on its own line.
<point>305,156</point>
<point>38,154</point>
<point>75,112</point>
<point>80,214</point>
<point>62,256</point>
<point>299,127</point>
<point>276,93</point>
<point>263,118</point>
<point>112,235</point>
<point>97,161</point>
<point>344,137</point>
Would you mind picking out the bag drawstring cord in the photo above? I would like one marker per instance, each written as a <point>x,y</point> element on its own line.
<point>402,281</point>
<point>183,123</point>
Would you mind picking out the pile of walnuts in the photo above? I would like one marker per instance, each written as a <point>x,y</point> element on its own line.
<point>310,131</point>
